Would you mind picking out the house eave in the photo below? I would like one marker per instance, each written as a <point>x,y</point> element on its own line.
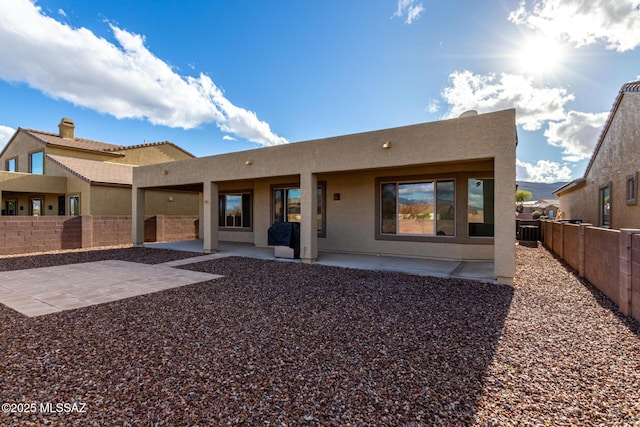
<point>569,186</point>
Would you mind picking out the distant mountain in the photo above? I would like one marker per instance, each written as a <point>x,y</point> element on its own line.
<point>540,190</point>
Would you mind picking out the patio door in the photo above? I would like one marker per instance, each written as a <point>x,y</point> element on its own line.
<point>35,208</point>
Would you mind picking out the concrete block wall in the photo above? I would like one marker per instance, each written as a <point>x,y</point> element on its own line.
<point>176,227</point>
<point>111,230</point>
<point>571,245</point>
<point>601,262</point>
<point>608,259</point>
<point>31,234</point>
<point>635,276</point>
<point>20,234</point>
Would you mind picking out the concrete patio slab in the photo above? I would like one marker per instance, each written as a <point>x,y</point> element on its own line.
<point>483,271</point>
<point>47,290</point>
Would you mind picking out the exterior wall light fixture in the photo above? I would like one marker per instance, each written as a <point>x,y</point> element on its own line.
<point>165,172</point>
<point>386,145</point>
<point>248,162</point>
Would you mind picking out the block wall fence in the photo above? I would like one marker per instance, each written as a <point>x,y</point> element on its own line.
<point>20,234</point>
<point>608,259</point>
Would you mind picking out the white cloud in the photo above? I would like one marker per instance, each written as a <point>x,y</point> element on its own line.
<point>534,105</point>
<point>543,171</point>
<point>61,12</point>
<point>228,138</point>
<point>577,134</point>
<point>584,22</point>
<point>409,8</point>
<point>433,107</point>
<point>5,135</point>
<point>124,80</point>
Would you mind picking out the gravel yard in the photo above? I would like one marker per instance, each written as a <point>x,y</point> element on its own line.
<point>275,343</point>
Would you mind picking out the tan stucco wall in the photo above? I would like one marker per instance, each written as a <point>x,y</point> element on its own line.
<point>169,203</point>
<point>573,207</point>
<point>20,148</point>
<point>10,181</point>
<point>619,156</point>
<point>82,154</point>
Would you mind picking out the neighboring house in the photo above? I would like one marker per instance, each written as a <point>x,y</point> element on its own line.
<point>439,190</point>
<point>607,194</point>
<point>43,173</point>
<point>546,207</point>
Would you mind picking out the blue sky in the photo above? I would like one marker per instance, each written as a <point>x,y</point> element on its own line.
<point>222,76</point>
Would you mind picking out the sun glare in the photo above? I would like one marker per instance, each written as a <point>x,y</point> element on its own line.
<point>539,55</point>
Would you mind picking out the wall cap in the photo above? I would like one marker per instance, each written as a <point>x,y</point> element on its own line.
<point>630,230</point>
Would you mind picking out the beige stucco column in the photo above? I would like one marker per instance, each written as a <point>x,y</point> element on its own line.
<point>137,216</point>
<point>308,217</point>
<point>201,215</point>
<point>210,217</point>
<point>505,219</point>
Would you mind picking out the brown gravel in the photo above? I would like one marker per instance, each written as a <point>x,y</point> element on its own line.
<point>276,343</point>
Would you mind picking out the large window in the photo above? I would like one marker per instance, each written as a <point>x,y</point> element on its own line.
<point>235,210</point>
<point>286,206</point>
<point>11,165</point>
<point>424,208</point>
<point>605,205</point>
<point>480,207</point>
<point>36,163</point>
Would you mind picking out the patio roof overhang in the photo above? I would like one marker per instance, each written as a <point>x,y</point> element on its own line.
<point>30,183</point>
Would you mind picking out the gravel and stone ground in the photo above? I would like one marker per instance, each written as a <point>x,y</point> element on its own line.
<point>276,343</point>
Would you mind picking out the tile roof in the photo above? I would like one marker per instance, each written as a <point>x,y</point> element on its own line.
<point>151,144</point>
<point>94,171</point>
<point>86,144</point>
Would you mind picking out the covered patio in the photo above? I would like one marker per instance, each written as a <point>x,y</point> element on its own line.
<point>439,194</point>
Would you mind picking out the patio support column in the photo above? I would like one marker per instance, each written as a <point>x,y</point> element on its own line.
<point>201,215</point>
<point>2,206</point>
<point>210,217</point>
<point>308,217</point>
<point>137,216</point>
<point>505,221</point>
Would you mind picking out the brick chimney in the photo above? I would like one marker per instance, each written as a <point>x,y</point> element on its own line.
<point>67,128</point>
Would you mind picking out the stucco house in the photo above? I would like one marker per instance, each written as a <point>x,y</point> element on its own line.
<point>546,207</point>
<point>44,173</point>
<point>440,190</point>
<point>607,194</point>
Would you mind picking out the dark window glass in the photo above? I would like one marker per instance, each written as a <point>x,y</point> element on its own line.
<point>234,210</point>
<point>418,208</point>
<point>287,200</point>
<point>480,211</point>
<point>605,206</point>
